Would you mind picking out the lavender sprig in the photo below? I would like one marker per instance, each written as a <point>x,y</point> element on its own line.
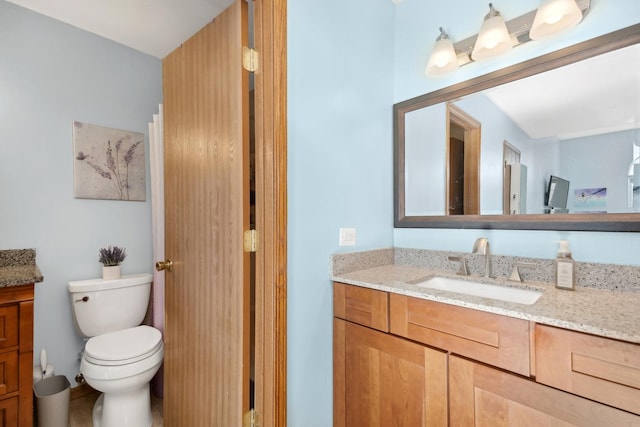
<point>111,162</point>
<point>112,255</point>
<point>99,170</point>
<point>128,157</point>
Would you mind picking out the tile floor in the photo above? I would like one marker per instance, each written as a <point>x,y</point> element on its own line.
<point>80,410</point>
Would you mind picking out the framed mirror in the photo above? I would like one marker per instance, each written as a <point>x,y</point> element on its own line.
<point>532,146</point>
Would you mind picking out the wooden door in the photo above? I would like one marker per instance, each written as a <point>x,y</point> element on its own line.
<point>207,209</point>
<point>270,40</point>
<point>456,176</point>
<point>382,380</point>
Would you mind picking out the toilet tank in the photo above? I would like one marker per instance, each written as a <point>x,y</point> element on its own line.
<point>100,306</point>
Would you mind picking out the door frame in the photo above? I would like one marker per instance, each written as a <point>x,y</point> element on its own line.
<point>270,39</point>
<point>510,155</point>
<point>472,141</point>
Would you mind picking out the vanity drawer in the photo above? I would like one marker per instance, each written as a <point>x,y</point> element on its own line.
<point>490,338</point>
<point>364,306</point>
<point>9,411</point>
<point>9,325</point>
<point>8,372</point>
<point>598,368</point>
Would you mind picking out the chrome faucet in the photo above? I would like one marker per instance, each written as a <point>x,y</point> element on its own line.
<point>481,246</point>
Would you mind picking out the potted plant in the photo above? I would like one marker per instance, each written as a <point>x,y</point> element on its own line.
<point>111,257</point>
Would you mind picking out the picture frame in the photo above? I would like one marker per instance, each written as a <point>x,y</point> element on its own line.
<point>109,163</point>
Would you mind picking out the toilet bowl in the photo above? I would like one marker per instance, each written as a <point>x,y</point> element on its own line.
<point>120,365</point>
<point>120,357</point>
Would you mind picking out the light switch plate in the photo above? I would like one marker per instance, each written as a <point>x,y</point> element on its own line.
<point>347,237</point>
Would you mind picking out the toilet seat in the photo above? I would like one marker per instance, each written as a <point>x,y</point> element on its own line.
<point>131,371</point>
<point>123,347</point>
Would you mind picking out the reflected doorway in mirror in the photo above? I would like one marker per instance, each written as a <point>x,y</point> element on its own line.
<point>463,162</point>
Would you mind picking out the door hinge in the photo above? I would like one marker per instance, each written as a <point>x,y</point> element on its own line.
<point>250,59</point>
<point>251,419</point>
<point>250,241</point>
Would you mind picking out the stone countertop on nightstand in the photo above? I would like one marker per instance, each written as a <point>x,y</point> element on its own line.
<point>613,314</point>
<point>18,267</point>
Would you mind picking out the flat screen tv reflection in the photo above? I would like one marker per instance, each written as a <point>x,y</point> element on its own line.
<point>558,192</point>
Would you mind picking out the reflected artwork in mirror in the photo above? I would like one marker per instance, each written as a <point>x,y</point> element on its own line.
<point>573,113</point>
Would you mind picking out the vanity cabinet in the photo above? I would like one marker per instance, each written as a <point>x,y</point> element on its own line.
<point>407,361</point>
<point>381,379</point>
<point>16,356</point>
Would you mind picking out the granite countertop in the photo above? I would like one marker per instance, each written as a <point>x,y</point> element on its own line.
<point>18,267</point>
<point>609,313</point>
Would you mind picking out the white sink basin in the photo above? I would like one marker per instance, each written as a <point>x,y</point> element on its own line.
<point>503,293</point>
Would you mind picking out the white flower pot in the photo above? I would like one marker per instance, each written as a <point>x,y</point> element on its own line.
<point>111,272</point>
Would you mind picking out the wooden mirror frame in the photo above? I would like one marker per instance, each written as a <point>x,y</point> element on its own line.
<point>574,222</point>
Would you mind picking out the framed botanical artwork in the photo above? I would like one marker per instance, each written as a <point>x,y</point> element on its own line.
<point>108,163</point>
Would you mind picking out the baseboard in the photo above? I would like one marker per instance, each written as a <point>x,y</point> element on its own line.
<point>82,390</point>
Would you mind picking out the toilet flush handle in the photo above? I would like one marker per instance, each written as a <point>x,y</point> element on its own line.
<point>164,265</point>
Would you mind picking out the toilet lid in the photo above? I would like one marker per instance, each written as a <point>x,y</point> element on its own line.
<point>125,346</point>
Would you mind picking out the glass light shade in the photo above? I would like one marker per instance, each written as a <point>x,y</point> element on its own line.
<point>443,58</point>
<point>555,16</point>
<point>493,39</point>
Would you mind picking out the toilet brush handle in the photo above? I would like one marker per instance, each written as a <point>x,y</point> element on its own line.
<point>43,361</point>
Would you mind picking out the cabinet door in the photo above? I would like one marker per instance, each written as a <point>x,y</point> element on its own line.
<point>483,396</point>
<point>382,380</point>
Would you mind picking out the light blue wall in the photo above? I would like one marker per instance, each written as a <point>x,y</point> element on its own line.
<point>50,75</point>
<point>612,174</point>
<point>416,26</point>
<point>339,173</point>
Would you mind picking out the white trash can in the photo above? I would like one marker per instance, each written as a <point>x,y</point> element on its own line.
<point>52,401</point>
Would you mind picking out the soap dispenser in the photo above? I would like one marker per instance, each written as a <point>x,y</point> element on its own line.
<point>564,267</point>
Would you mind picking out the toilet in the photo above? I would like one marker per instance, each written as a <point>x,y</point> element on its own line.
<point>121,356</point>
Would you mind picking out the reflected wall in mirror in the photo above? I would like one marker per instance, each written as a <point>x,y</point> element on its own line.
<point>572,114</point>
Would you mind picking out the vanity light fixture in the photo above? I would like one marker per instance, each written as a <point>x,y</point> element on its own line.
<point>519,30</point>
<point>494,38</point>
<point>443,56</point>
<point>555,16</point>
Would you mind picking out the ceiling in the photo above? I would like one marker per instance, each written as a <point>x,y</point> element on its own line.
<point>591,97</point>
<point>155,27</point>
